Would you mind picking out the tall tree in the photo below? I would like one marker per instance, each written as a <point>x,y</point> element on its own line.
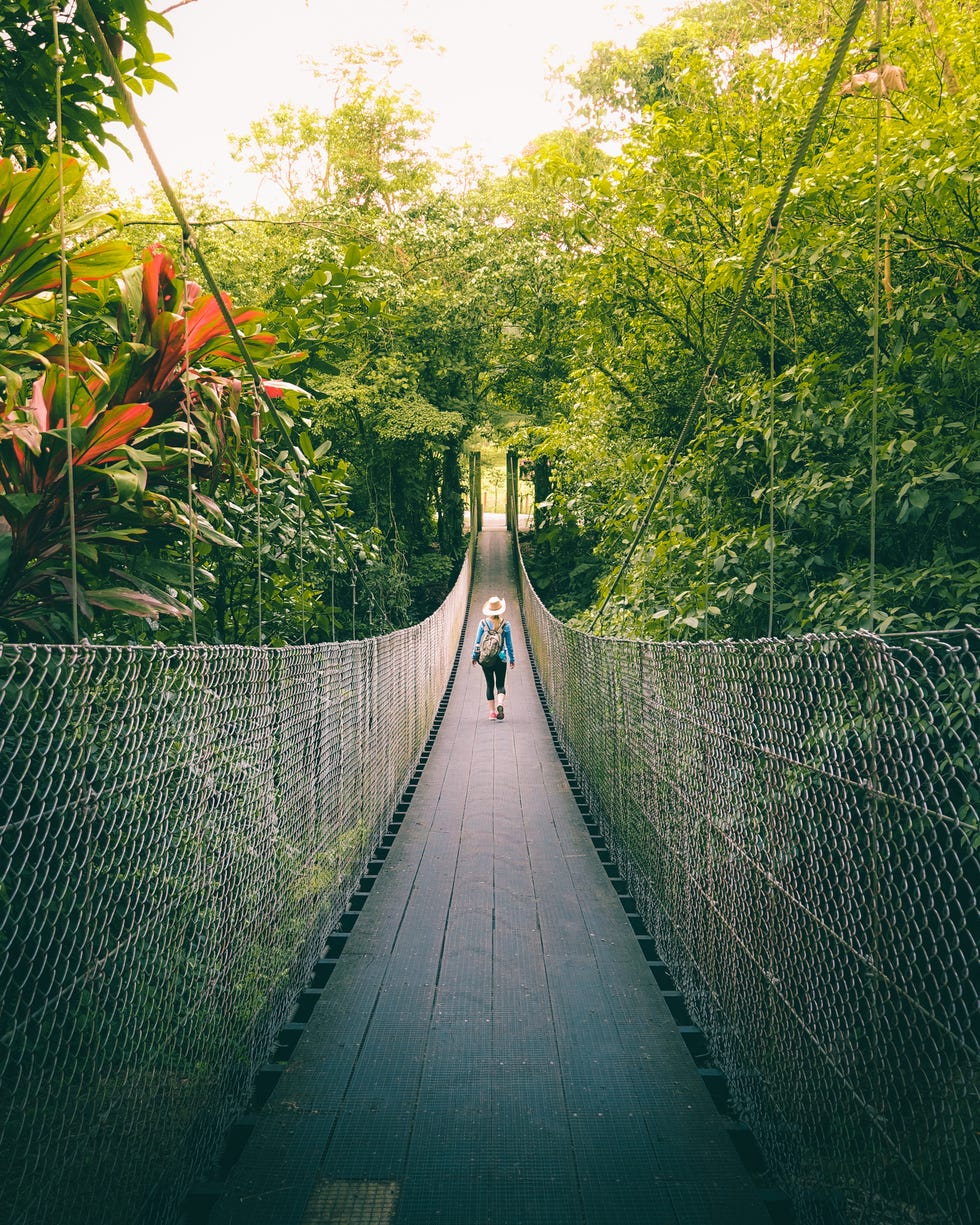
<point>366,152</point>
<point>674,223</point>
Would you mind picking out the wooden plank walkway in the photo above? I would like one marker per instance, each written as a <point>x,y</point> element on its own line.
<point>491,1048</point>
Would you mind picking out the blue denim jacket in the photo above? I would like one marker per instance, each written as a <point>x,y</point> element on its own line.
<point>507,651</point>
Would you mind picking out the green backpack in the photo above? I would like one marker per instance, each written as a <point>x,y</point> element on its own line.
<point>491,643</point>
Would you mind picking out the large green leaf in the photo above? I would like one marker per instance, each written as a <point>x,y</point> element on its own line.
<point>18,506</point>
<point>102,260</point>
<point>30,243</point>
<point>29,201</point>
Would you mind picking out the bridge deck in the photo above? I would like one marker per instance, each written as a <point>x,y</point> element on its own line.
<point>492,1048</point>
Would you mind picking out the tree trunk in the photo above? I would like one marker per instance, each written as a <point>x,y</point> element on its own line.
<point>451,503</point>
<point>542,489</point>
<point>952,84</point>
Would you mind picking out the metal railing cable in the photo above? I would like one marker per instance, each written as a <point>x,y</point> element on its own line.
<point>799,822</point>
<point>180,829</point>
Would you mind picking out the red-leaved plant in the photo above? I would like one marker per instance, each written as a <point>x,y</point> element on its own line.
<point>121,418</point>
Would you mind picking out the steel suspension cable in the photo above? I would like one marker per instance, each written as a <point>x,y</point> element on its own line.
<point>707,552</point>
<point>59,61</point>
<point>771,444</point>
<point>191,514</point>
<point>873,684</point>
<point>333,586</point>
<point>880,101</point>
<point>748,281</point>
<point>257,440</point>
<point>302,581</point>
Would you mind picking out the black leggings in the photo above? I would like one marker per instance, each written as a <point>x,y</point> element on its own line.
<point>495,670</point>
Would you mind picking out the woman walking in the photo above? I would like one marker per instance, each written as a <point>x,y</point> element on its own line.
<point>493,651</point>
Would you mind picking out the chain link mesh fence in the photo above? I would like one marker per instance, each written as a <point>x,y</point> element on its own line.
<point>798,822</point>
<point>180,830</point>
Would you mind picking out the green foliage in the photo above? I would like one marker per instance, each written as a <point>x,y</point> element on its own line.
<point>27,83</point>
<point>367,152</point>
<point>250,256</point>
<point>114,464</point>
<point>666,232</point>
<point>583,294</point>
<point>562,566</point>
<point>289,579</point>
<point>328,313</point>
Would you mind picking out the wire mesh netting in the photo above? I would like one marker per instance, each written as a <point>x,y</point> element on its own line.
<point>798,822</point>
<point>181,829</point>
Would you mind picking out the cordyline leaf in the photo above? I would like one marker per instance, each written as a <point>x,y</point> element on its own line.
<point>171,429</point>
<point>41,307</point>
<point>99,376</point>
<point>257,345</point>
<point>134,603</point>
<point>130,311</point>
<point>39,404</point>
<point>101,261</point>
<point>26,357</point>
<point>127,534</point>
<point>25,432</point>
<point>127,484</point>
<point>30,272</point>
<point>169,345</point>
<point>177,575</point>
<point>277,388</point>
<point>168,337</point>
<point>14,383</point>
<point>161,458</point>
<point>17,506</point>
<point>158,269</point>
<point>202,335</point>
<point>29,200</point>
<point>37,269</point>
<point>208,532</point>
<point>234,388</point>
<point>128,357</point>
<point>210,505</point>
<point>30,255</point>
<point>47,401</point>
<point>114,428</point>
<point>84,607</point>
<point>205,322</point>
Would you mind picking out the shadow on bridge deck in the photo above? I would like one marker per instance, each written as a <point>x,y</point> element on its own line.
<point>492,1048</point>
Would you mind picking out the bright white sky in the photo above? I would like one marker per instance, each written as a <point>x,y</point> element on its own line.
<point>233,60</point>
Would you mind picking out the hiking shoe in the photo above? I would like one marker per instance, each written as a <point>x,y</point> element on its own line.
<point>500,710</point>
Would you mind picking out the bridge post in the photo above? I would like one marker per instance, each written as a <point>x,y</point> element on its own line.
<point>476,494</point>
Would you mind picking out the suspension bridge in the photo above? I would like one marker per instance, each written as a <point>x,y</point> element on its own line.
<point>299,935</point>
<point>492,1045</point>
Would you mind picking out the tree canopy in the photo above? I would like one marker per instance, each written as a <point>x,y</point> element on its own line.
<point>571,307</point>
<point>796,454</point>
